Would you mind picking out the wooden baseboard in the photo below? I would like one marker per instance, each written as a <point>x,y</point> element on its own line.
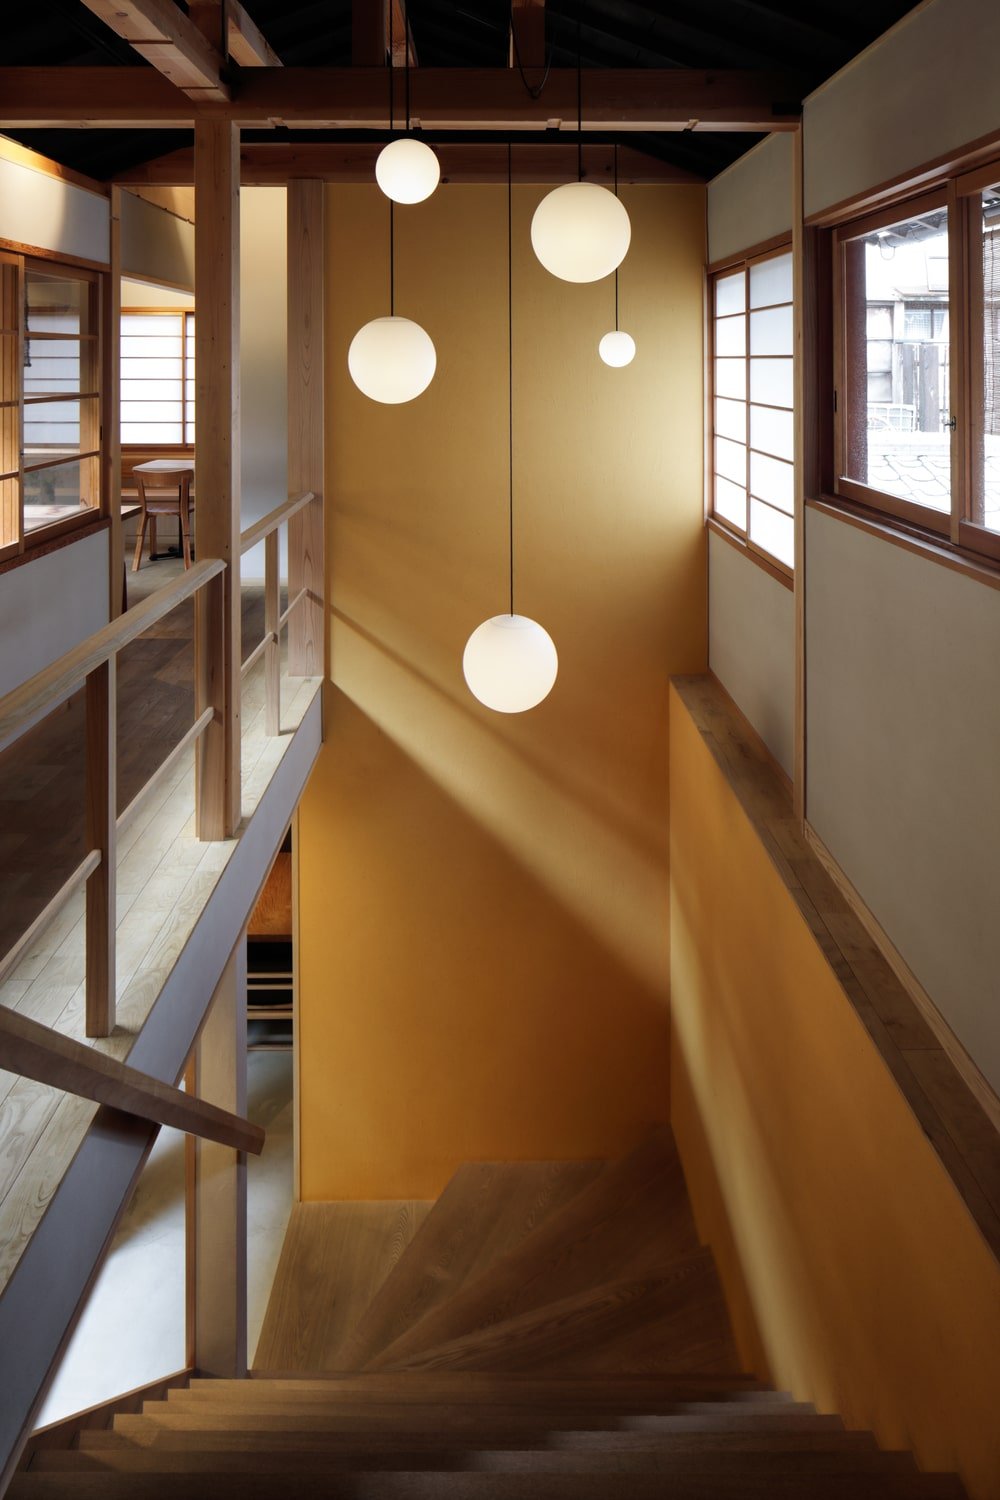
<point>63,1434</point>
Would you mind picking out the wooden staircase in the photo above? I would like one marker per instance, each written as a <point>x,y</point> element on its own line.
<point>546,1330</point>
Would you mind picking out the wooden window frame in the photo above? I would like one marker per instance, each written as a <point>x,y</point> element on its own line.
<point>186,445</point>
<point>740,537</point>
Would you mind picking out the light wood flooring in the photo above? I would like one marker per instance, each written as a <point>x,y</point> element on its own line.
<point>165,877</point>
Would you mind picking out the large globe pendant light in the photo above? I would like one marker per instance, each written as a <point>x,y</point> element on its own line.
<point>392,359</point>
<point>617,349</point>
<point>406,170</point>
<point>510,661</point>
<point>580,231</point>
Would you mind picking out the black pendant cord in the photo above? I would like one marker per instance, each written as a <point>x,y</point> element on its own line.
<point>616,268</point>
<point>391,88</point>
<point>510,373</point>
<point>406,59</point>
<point>579,106</point>
<point>392,259</point>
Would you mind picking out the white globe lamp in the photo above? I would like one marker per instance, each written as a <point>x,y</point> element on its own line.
<point>617,349</point>
<point>407,170</point>
<point>581,232</point>
<point>392,360</point>
<point>510,663</point>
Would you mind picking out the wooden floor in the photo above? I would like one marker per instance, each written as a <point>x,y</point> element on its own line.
<point>165,877</point>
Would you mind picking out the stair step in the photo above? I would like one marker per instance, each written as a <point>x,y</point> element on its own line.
<point>474,1386</point>
<point>666,1323</point>
<point>333,1261</point>
<point>486,1211</point>
<point>435,1485</point>
<point>631,1221</point>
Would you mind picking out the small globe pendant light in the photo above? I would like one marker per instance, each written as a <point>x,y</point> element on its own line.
<point>617,349</point>
<point>406,170</point>
<point>510,661</point>
<point>580,231</point>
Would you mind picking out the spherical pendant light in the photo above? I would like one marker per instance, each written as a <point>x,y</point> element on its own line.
<point>392,360</point>
<point>510,663</point>
<point>580,232</point>
<point>407,170</point>
<point>617,349</point>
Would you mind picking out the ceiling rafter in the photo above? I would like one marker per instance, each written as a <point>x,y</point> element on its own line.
<point>527,33</point>
<point>162,34</point>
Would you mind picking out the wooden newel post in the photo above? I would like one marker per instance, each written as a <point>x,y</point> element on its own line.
<point>307,626</point>
<point>217,471</point>
<point>101,732</point>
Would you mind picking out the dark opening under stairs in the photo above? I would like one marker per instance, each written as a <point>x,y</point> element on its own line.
<point>547,1329</point>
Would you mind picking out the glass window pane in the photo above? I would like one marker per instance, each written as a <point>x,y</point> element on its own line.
<point>772,382</point>
<point>897,404</point>
<point>151,369</point>
<point>63,490</point>
<point>771,281</point>
<point>731,378</point>
<point>57,429</point>
<point>731,460</point>
<point>773,532</point>
<point>771,331</point>
<point>152,432</point>
<point>150,411</point>
<point>155,324</point>
<point>151,390</point>
<point>773,481</point>
<point>56,304</point>
<point>149,347</point>
<point>731,420</point>
<point>730,293</point>
<point>731,335</point>
<point>986,449</point>
<point>772,431</point>
<point>731,503</point>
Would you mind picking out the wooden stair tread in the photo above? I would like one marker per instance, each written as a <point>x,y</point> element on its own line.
<point>633,1218</point>
<point>333,1261</point>
<point>487,1210</point>
<point>475,1386</point>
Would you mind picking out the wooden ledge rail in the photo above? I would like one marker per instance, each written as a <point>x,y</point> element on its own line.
<point>287,614</point>
<point>25,705</point>
<point>268,639</point>
<point>48,914</point>
<point>35,1051</point>
<point>196,731</point>
<point>274,518</point>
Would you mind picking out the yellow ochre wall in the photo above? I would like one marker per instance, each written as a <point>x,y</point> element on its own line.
<point>483,915</point>
<point>853,1269</point>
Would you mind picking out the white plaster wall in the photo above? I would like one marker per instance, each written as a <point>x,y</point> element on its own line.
<point>51,604</point>
<point>263,360</point>
<point>903,736</point>
<point>751,645</point>
<point>751,201</point>
<point>147,294</point>
<point>48,214</point>
<point>928,86</point>
<point>156,245</point>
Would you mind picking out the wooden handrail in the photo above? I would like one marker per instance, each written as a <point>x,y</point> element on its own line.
<point>283,512</point>
<point>35,1051</point>
<point>286,615</point>
<point>196,731</point>
<point>48,914</point>
<point>25,705</point>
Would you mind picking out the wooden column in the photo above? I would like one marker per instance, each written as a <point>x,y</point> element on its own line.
<point>217,1187</point>
<point>307,626</point>
<point>111,447</point>
<point>217,470</point>
<point>809,423</point>
<point>101,783</point>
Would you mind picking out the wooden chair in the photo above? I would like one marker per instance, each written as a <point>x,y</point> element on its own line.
<point>164,487</point>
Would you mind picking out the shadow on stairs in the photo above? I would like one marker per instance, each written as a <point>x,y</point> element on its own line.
<point>546,1329</point>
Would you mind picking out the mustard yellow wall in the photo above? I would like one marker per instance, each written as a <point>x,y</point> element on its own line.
<point>862,1281</point>
<point>483,921</point>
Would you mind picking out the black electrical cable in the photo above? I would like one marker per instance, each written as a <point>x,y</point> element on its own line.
<point>510,372</point>
<point>534,89</point>
<point>579,106</point>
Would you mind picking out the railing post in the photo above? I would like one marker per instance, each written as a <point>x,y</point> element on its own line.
<point>306,418</point>
<point>101,733</point>
<point>272,652</point>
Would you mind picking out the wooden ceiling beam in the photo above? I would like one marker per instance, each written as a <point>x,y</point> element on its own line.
<point>247,43</point>
<point>527,33</point>
<point>263,164</point>
<point>161,33</point>
<point>370,32</point>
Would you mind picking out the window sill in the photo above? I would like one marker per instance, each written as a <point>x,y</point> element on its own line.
<point>768,564</point>
<point>911,538</point>
<point>63,534</point>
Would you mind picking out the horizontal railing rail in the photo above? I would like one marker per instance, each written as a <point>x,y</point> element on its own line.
<point>274,518</point>
<point>275,619</point>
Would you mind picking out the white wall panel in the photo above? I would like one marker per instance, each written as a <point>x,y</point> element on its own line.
<point>263,360</point>
<point>51,604</point>
<point>48,214</point>
<point>924,89</point>
<point>751,201</point>
<point>156,245</point>
<point>903,745</point>
<point>751,645</point>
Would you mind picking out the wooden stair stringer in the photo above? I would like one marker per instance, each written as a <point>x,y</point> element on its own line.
<point>487,1210</point>
<point>630,1222</point>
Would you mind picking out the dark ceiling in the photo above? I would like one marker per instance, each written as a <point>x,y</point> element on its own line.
<point>811,40</point>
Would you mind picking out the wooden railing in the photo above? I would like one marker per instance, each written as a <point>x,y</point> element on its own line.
<point>93,666</point>
<point>275,619</point>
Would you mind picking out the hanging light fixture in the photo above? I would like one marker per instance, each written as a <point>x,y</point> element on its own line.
<point>510,661</point>
<point>580,231</point>
<point>617,349</point>
<point>407,170</point>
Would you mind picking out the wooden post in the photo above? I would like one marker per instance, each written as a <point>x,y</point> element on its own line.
<point>217,1196</point>
<point>101,791</point>
<point>111,446</point>
<point>217,471</point>
<point>307,626</point>
<point>272,651</point>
